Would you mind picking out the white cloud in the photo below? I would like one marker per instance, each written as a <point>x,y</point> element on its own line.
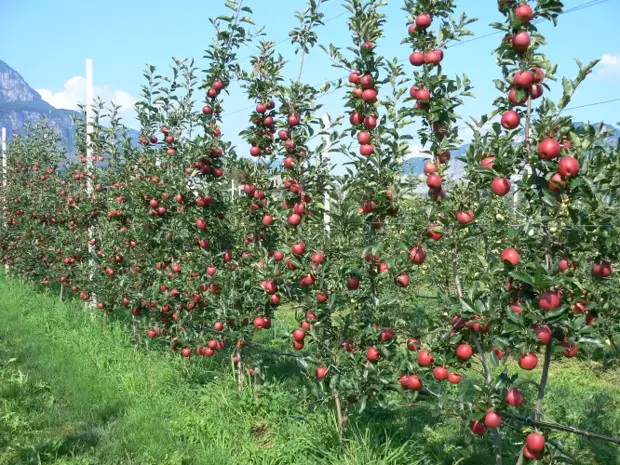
<point>608,67</point>
<point>74,93</point>
<point>416,151</point>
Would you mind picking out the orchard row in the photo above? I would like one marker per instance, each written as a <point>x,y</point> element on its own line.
<point>155,231</point>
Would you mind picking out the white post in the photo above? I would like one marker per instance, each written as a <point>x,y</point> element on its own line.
<point>4,186</point>
<point>232,189</point>
<point>324,157</point>
<point>89,165</point>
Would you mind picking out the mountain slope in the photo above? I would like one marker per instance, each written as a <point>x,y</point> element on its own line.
<point>21,106</point>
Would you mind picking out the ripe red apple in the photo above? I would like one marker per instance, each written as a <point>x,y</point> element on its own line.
<point>440,373</point>
<point>521,41</point>
<point>514,397</point>
<point>529,455</point>
<point>294,219</point>
<point>373,354</point>
<point>564,264</point>
<point>416,58</point>
<point>570,349</point>
<point>366,150</point>
<point>430,168</point>
<point>500,186</point>
<point>353,283</point>
<point>425,358</point>
<point>433,232</point>
<point>318,258</point>
<point>186,352</point>
<point>293,120</point>
<point>218,326</point>
<point>267,220</point>
<point>402,280</point>
<point>511,257</point>
<point>354,77</point>
<point>454,378</point>
<point>528,361</point>
<point>524,13</point>
<point>510,119</point>
<point>477,427</point>
<point>568,167</point>
<point>433,181</point>
<point>556,183</point>
<point>413,344</point>
<point>423,21</point>
<point>549,300</point>
<point>432,57</point>
<point>536,91</point>
<point>544,334</point>
<point>417,255</point>
<point>423,95</point>
<point>369,95</point>
<point>535,442</point>
<point>320,372</point>
<point>602,269</point>
<point>523,79</point>
<point>370,122</point>
<point>539,74</point>
<point>366,81</point>
<point>299,335</point>
<point>298,249</point>
<point>487,162</point>
<point>465,217</point>
<point>464,352</point>
<point>414,383</point>
<point>363,138</point>
<point>492,420</point>
<point>548,149</point>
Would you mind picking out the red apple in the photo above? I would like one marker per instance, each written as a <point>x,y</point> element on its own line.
<point>440,373</point>
<point>511,257</point>
<point>524,13</point>
<point>425,359</point>
<point>500,186</point>
<point>528,361</point>
<point>464,352</point>
<point>373,354</point>
<point>549,300</point>
<point>548,149</point>
<point>568,167</point>
<point>492,420</point>
<point>514,397</point>
<point>510,120</point>
<point>477,427</point>
<point>535,442</point>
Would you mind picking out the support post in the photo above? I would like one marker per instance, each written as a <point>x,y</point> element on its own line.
<point>89,166</point>
<point>4,185</point>
<point>325,158</point>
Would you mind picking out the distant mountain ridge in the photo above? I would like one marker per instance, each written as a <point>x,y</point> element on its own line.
<point>21,105</point>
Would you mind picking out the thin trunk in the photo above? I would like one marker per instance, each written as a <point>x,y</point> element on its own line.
<point>483,359</point>
<point>543,381</point>
<point>343,417</point>
<point>62,290</point>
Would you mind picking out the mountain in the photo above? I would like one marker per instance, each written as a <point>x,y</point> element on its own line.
<point>21,105</point>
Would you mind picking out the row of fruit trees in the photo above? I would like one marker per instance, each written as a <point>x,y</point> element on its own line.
<point>152,230</point>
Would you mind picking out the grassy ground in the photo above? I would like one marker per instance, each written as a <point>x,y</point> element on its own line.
<point>74,391</point>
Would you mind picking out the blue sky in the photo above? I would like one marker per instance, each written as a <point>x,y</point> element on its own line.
<point>49,42</point>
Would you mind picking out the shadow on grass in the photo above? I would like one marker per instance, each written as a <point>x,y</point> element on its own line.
<point>68,446</point>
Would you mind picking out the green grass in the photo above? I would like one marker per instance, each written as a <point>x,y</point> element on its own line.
<point>74,391</point>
